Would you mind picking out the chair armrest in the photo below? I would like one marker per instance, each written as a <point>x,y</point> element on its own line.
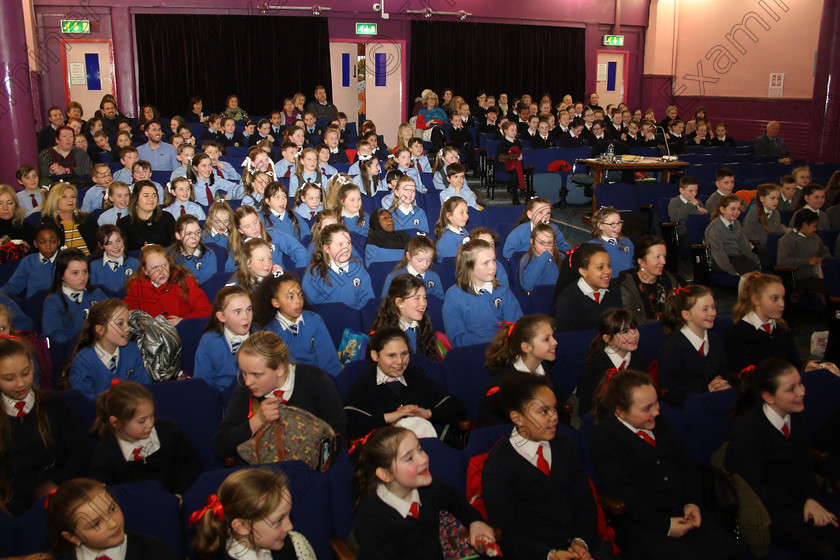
<point>834,299</point>
<point>567,408</point>
<point>587,220</point>
<point>610,505</point>
<point>229,462</point>
<point>647,208</point>
<point>668,224</point>
<point>819,456</point>
<point>699,246</point>
<point>527,168</point>
<point>464,425</point>
<point>340,549</point>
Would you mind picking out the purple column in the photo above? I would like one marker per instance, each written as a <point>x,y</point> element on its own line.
<point>17,120</point>
<point>824,144</point>
<point>122,25</point>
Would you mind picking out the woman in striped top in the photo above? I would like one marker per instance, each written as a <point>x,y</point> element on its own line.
<point>77,228</point>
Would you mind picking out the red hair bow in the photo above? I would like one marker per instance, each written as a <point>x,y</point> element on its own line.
<point>491,391</point>
<point>214,505</point>
<point>610,372</point>
<point>360,441</point>
<point>115,381</point>
<point>13,337</point>
<point>49,495</point>
<point>745,371</point>
<point>678,291</point>
<point>509,325</point>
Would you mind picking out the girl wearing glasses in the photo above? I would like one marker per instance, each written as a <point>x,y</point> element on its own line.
<point>606,231</point>
<point>541,264</point>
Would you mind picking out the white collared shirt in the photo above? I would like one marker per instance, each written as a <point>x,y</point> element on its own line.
<point>774,418</point>
<point>340,269</point>
<point>727,224</point>
<point>414,272</point>
<point>278,215</point>
<point>617,361</point>
<point>286,322</point>
<point>106,260</point>
<point>67,291</point>
<point>487,286</point>
<point>42,257</point>
<point>755,321</point>
<point>382,378</point>
<point>695,340</point>
<point>346,215</point>
<point>239,550</point>
<point>528,449</point>
<point>9,404</point>
<point>214,232</point>
<point>114,553</point>
<point>105,357</point>
<point>402,506</point>
<point>288,385</point>
<point>459,231</point>
<point>589,290</point>
<point>634,429</point>
<point>684,201</point>
<point>405,325</point>
<point>147,446</point>
<point>232,337</point>
<point>519,365</point>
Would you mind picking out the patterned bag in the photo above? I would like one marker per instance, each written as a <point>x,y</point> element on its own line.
<point>455,540</point>
<point>12,251</point>
<point>295,435</point>
<point>159,345</point>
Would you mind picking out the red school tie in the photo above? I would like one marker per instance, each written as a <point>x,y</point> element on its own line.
<point>218,172</point>
<point>542,464</point>
<point>104,197</point>
<point>417,163</point>
<point>183,211</point>
<point>278,393</point>
<point>20,405</point>
<point>34,201</point>
<point>136,452</point>
<point>414,510</point>
<point>766,327</point>
<point>209,194</point>
<point>118,216</point>
<point>702,348</point>
<point>649,440</point>
<point>597,296</point>
<point>103,557</point>
<point>786,431</point>
<point>312,214</point>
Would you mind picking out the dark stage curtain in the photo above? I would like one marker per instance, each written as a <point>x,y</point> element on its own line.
<point>262,59</point>
<point>513,59</point>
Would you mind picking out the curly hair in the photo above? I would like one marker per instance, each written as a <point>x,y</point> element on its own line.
<point>405,286</point>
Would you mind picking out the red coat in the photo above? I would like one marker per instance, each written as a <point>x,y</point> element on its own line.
<point>167,299</point>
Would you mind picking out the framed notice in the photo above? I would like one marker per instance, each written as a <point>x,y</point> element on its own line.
<point>777,85</point>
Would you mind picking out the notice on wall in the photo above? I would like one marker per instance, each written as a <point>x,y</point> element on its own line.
<point>777,84</point>
<point>602,73</point>
<point>78,74</point>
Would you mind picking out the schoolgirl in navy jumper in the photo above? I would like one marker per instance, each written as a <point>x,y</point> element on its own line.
<point>247,225</point>
<point>416,261</point>
<point>277,214</point>
<point>249,518</point>
<point>398,501</point>
<point>541,264</point>
<point>404,306</point>
<point>270,378</point>
<point>306,171</point>
<point>34,273</point>
<point>526,346</point>
<point>104,353</point>
<point>769,447</point>
<point>476,303</point>
<point>117,205</point>
<point>693,359</point>
<point>348,203</point>
<point>451,227</point>
<point>584,289</point>
<point>189,250</point>
<point>84,521</point>
<point>282,309</point>
<point>537,210</point>
<point>255,265</point>
<point>368,177</point>
<point>217,226</point>
<point>446,156</point>
<point>137,446</point>
<point>229,326</point>
<point>614,347</point>
<point>642,461</point>
<point>606,231</point>
<point>335,275</point>
<point>181,199</point>
<point>384,243</point>
<point>534,485</point>
<point>407,215</point>
<point>42,442</point>
<point>69,301</point>
<point>309,200</point>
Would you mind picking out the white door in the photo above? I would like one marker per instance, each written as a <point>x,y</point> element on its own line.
<point>385,86</point>
<point>610,78</point>
<point>345,78</point>
<point>88,72</point>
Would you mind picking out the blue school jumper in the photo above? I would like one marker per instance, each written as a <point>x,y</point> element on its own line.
<point>520,240</point>
<point>354,227</point>
<point>537,271</point>
<point>447,245</point>
<point>434,287</point>
<point>374,254</point>
<point>219,239</point>
<point>351,288</point>
<point>202,267</point>
<point>219,185</point>
<point>31,275</point>
<point>112,216</point>
<point>21,321</point>
<point>90,376</point>
<point>411,334</point>
<point>311,345</point>
<point>254,200</point>
<point>93,198</point>
<point>473,319</point>
<point>415,219</point>
<point>190,208</point>
<point>382,186</point>
<point>65,323</point>
<point>281,244</point>
<point>414,174</point>
<point>621,254</point>
<point>112,281</point>
<point>285,224</point>
<point>466,193</point>
<point>214,361</point>
<point>501,274</point>
<point>314,177</point>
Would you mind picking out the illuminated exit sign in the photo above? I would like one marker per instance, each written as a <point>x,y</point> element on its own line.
<point>75,26</point>
<point>365,29</point>
<point>614,40</point>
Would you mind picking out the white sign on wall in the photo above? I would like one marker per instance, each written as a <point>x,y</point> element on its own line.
<point>602,73</point>
<point>777,84</point>
<point>78,75</point>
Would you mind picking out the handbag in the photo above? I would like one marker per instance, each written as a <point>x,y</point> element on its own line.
<point>159,345</point>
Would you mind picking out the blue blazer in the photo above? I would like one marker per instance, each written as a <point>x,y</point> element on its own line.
<point>112,281</point>
<point>434,287</point>
<point>473,319</point>
<point>374,253</point>
<point>520,240</point>
<point>63,318</point>
<point>311,345</point>
<point>621,254</point>
<point>214,362</point>
<point>352,288</point>
<point>30,275</point>
<point>354,227</point>
<point>90,376</point>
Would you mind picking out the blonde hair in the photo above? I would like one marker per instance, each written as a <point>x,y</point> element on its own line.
<point>235,239</point>
<point>17,218</point>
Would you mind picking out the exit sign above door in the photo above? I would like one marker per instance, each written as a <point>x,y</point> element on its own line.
<point>76,26</point>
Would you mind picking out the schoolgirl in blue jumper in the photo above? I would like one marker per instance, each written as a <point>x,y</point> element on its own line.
<point>205,182</point>
<point>190,252</point>
<point>255,265</point>
<point>476,303</point>
<point>536,210</point>
<point>445,157</point>
<point>390,183</point>
<point>229,326</point>
<point>491,237</point>
<point>34,273</point>
<point>282,309</point>
<point>104,352</point>
<point>275,212</point>
<point>69,302</point>
<point>349,205</point>
<point>384,244</point>
<point>181,194</point>
<point>401,161</point>
<point>306,171</point>
<point>416,261</point>
<point>541,264</point>
<point>309,201</point>
<point>247,225</point>
<point>404,306</point>
<point>451,227</point>
<point>368,178</point>
<point>112,270</point>
<point>322,220</point>
<point>407,216</point>
<point>334,275</point>
<point>606,231</point>
<point>217,226</point>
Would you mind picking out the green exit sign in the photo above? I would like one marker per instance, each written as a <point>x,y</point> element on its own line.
<point>614,40</point>
<point>75,26</point>
<point>365,29</point>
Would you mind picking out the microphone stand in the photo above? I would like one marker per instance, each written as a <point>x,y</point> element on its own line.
<point>665,136</point>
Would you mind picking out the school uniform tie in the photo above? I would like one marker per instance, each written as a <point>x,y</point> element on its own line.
<point>417,164</point>
<point>234,346</point>
<point>103,557</point>
<point>45,260</point>
<point>731,227</point>
<point>136,454</point>
<point>183,210</point>
<point>649,440</point>
<point>104,197</point>
<point>414,510</point>
<point>542,464</point>
<point>278,393</point>
<point>34,201</point>
<point>702,348</point>
<point>597,296</point>
<point>118,216</point>
<point>767,327</point>
<point>76,297</point>
<point>612,242</point>
<point>218,172</point>
<point>324,170</point>
<point>786,431</point>
<point>311,214</point>
<point>209,194</point>
<point>114,265</point>
<point>20,405</point>
<point>113,365</point>
<point>293,328</point>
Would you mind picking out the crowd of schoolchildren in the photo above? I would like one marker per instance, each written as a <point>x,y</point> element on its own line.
<point>289,232</point>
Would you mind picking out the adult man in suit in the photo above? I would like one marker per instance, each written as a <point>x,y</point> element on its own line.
<point>769,144</point>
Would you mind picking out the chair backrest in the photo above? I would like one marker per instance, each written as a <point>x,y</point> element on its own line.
<point>829,238</point>
<point>696,225</point>
<point>434,309</point>
<point>216,282</point>
<point>662,209</point>
<point>190,332</point>
<point>378,272</point>
<point>822,393</point>
<point>651,339</point>
<point>446,271</point>
<point>707,421</point>
<point>352,370</point>
<point>85,409</point>
<point>150,509</point>
<point>773,247</point>
<point>620,196</point>
<point>29,529</point>
<point>572,348</point>
<point>651,191</point>
<point>337,317</point>
<point>466,375</point>
<point>831,275</point>
<point>445,463</point>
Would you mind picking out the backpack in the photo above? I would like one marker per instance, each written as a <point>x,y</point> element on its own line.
<point>296,435</point>
<point>159,345</point>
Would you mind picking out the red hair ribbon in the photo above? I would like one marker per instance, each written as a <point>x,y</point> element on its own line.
<point>491,391</point>
<point>115,381</point>
<point>570,253</point>
<point>13,337</point>
<point>678,291</point>
<point>214,505</point>
<point>745,371</point>
<point>509,326</point>
<point>360,441</point>
<point>49,495</point>
<point>610,372</point>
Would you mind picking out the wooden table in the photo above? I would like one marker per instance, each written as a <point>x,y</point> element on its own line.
<point>631,163</point>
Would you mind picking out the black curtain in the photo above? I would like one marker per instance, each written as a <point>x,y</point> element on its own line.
<point>262,59</point>
<point>513,59</point>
